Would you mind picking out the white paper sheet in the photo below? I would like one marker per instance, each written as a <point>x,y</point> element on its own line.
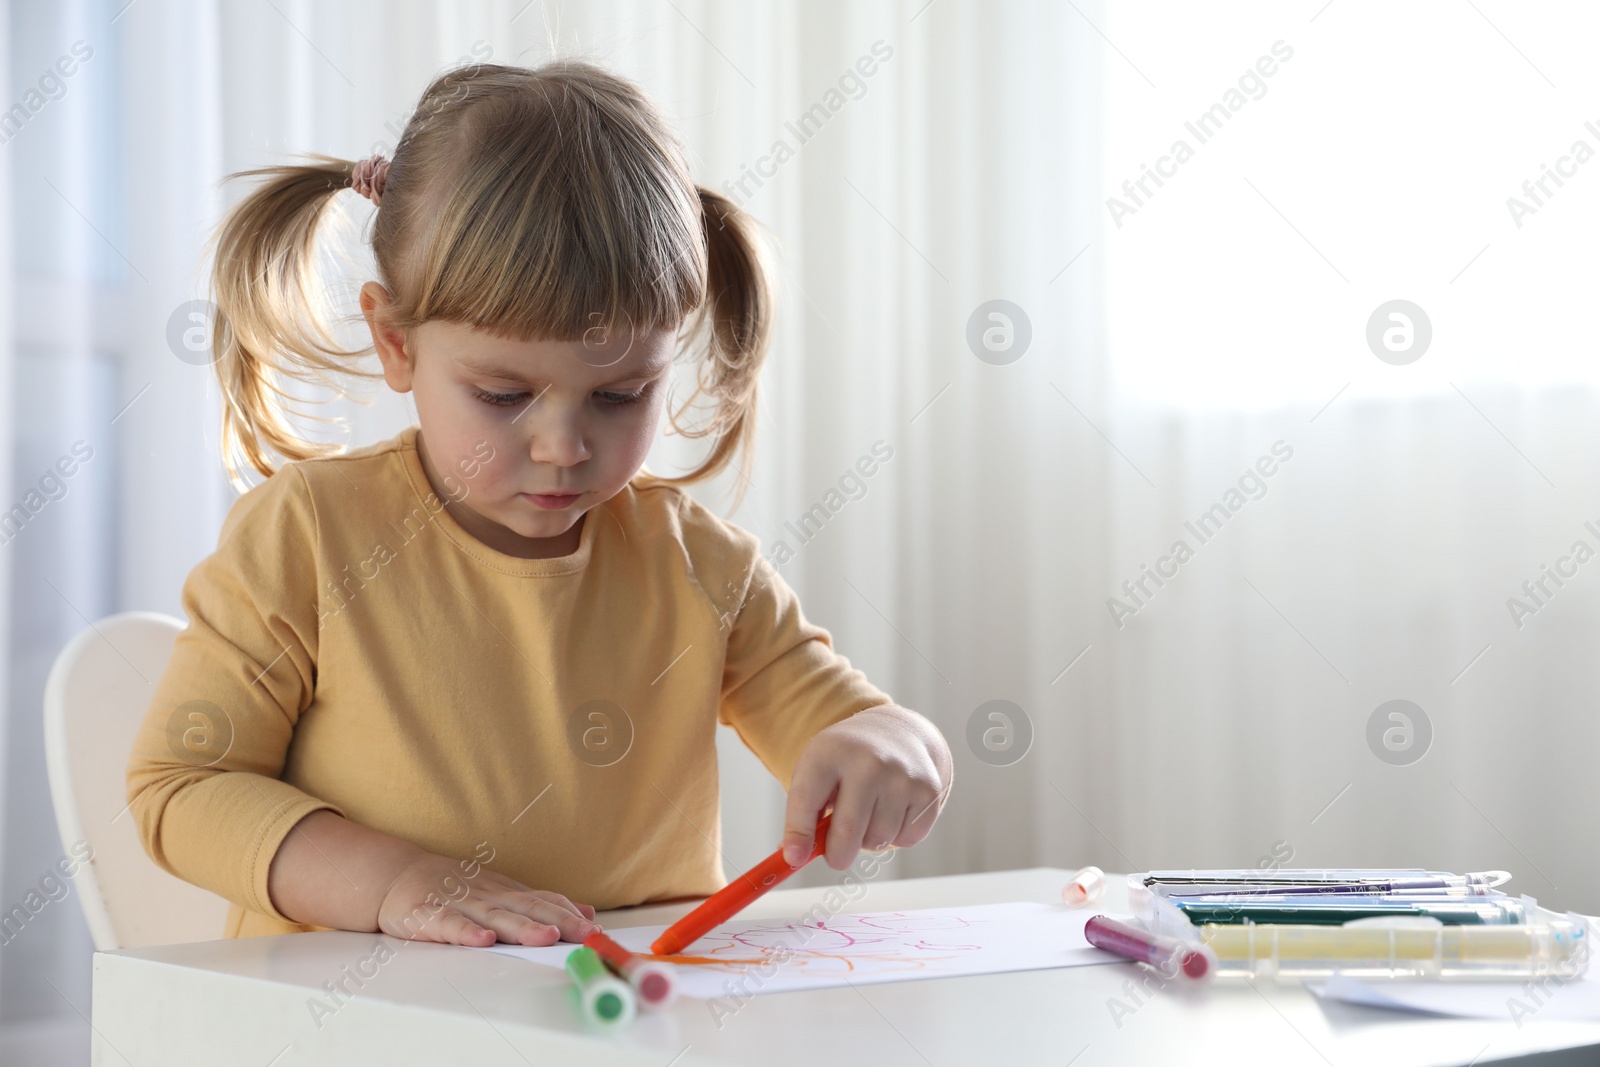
<point>780,955</point>
<point>1573,1000</point>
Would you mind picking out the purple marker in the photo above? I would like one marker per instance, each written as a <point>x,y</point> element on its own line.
<point>1167,955</point>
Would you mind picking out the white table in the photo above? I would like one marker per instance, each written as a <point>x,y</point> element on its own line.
<point>245,1003</point>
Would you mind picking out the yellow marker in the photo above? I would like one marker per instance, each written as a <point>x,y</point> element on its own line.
<point>1399,948</point>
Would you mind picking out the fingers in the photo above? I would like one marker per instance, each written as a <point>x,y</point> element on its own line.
<point>888,771</point>
<point>852,816</point>
<point>490,907</point>
<point>873,819</point>
<point>573,926</point>
<point>450,927</point>
<point>583,911</point>
<point>920,817</point>
<point>809,793</point>
<point>555,910</point>
<point>530,919</point>
<point>885,826</point>
<point>517,929</point>
<point>579,918</point>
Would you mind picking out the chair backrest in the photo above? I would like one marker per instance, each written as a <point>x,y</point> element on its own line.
<point>97,695</point>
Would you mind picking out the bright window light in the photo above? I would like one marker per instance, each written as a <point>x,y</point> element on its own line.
<point>1271,180</point>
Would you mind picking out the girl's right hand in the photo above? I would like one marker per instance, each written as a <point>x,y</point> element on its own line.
<point>432,900</point>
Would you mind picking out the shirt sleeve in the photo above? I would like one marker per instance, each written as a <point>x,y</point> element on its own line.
<point>783,682</point>
<point>203,778</point>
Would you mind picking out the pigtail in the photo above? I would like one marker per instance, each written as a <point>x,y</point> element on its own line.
<point>267,330</point>
<point>736,319</point>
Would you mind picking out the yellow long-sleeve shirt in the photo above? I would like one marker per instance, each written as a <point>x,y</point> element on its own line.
<point>351,647</point>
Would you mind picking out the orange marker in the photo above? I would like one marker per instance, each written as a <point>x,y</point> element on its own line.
<point>734,897</point>
<point>653,982</point>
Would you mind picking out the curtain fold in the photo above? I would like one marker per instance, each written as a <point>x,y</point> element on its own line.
<point>63,286</point>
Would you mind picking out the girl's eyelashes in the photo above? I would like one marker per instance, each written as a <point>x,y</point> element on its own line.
<point>610,398</point>
<point>499,400</point>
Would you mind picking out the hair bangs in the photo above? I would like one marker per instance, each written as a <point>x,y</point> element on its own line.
<point>535,244</point>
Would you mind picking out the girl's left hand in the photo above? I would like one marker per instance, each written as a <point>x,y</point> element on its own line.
<point>886,773</point>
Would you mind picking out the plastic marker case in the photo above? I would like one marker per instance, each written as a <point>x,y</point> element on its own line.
<point>1379,926</point>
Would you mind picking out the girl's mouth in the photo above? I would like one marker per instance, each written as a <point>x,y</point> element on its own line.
<point>552,501</point>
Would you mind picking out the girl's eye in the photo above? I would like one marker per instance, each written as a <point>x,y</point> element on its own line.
<point>612,399</point>
<point>498,399</point>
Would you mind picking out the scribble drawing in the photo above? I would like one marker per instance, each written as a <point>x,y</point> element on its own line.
<point>890,942</point>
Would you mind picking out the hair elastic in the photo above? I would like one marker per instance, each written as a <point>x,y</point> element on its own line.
<point>367,176</point>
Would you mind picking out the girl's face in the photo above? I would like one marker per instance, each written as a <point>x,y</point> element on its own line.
<point>522,438</point>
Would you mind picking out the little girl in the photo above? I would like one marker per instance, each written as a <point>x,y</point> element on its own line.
<point>449,685</point>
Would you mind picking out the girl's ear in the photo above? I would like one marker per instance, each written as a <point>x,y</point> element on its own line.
<point>390,342</point>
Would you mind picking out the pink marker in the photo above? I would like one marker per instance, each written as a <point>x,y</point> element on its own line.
<point>652,981</point>
<point>1167,955</point>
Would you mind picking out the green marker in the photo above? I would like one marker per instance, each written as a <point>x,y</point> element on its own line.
<point>602,999</point>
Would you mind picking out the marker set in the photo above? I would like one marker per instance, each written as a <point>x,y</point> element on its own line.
<point>1363,923</point>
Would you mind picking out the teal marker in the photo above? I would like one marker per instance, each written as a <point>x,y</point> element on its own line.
<point>602,999</point>
<point>1334,910</point>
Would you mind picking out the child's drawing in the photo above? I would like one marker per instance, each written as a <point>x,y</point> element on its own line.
<point>750,956</point>
<point>889,942</point>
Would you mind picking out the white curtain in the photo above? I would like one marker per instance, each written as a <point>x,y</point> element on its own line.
<point>1343,172</point>
<point>67,287</point>
<point>958,154</point>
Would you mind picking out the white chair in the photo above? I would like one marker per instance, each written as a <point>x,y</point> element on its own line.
<point>97,695</point>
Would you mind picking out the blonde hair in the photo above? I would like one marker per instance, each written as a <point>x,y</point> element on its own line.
<point>530,203</point>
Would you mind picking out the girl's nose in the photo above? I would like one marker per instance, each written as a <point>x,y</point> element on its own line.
<point>558,441</point>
